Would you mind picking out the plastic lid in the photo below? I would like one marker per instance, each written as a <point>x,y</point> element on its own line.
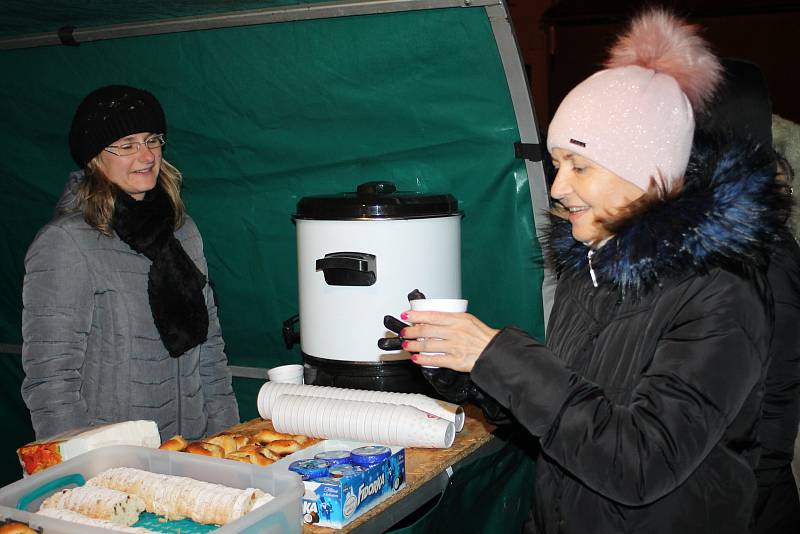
<point>371,454</point>
<point>377,200</point>
<point>345,470</point>
<point>334,457</point>
<point>310,469</point>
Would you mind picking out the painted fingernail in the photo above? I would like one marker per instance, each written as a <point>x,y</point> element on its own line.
<point>403,332</point>
<point>414,357</point>
<point>404,316</point>
<point>404,344</point>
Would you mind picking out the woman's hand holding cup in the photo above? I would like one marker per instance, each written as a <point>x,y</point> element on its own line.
<point>444,335</point>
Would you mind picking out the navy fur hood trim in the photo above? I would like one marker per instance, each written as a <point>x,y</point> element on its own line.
<point>727,214</point>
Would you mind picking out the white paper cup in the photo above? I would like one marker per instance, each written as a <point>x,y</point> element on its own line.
<point>288,374</point>
<point>442,305</point>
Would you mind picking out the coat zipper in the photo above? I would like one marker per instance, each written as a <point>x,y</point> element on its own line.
<point>591,270</point>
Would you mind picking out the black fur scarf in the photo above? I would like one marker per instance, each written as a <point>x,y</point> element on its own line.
<point>174,283</point>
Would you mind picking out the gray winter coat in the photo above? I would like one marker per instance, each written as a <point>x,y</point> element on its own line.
<point>91,352</point>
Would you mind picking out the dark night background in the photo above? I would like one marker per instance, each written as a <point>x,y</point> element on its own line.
<point>563,42</point>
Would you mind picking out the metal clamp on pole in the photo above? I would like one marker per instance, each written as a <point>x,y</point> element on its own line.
<point>66,34</point>
<point>528,151</point>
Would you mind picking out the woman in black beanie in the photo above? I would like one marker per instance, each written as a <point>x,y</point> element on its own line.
<point>119,322</point>
<point>743,109</point>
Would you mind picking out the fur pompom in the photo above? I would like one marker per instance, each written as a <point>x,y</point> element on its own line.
<point>658,40</point>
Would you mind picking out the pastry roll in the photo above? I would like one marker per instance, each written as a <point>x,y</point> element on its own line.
<point>177,497</point>
<point>98,503</point>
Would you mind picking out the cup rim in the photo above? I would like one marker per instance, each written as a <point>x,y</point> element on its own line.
<point>289,368</point>
<point>439,304</point>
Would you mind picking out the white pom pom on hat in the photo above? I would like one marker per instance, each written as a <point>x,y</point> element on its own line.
<point>636,117</point>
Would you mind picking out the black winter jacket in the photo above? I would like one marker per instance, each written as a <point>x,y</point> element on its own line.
<point>647,395</point>
<point>777,508</point>
<point>782,400</point>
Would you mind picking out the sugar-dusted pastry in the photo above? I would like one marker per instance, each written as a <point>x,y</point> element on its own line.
<point>179,497</point>
<point>98,503</point>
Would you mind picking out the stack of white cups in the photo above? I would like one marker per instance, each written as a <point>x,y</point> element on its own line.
<point>446,410</point>
<point>405,419</point>
<point>374,422</point>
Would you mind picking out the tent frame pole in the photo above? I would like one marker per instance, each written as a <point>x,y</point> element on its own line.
<point>341,8</point>
<point>522,102</point>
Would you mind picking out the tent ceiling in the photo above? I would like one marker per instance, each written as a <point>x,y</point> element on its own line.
<point>32,24</point>
<point>22,17</point>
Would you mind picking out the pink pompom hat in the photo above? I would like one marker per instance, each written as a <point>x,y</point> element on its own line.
<point>636,117</point>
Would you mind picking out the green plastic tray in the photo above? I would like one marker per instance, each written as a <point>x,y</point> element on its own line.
<point>146,519</point>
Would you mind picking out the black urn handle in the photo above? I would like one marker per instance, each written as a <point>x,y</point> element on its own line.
<point>348,268</point>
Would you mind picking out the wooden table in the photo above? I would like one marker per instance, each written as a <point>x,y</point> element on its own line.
<point>426,474</point>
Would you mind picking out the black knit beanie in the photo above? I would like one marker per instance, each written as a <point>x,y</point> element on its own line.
<point>742,106</point>
<point>109,113</point>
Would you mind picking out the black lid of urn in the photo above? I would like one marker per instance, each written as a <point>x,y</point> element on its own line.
<point>377,200</point>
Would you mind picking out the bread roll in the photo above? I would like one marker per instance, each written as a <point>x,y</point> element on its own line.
<point>259,459</point>
<point>282,447</point>
<point>301,439</point>
<point>241,440</point>
<point>206,449</point>
<point>175,443</point>
<point>178,497</point>
<point>75,517</point>
<point>226,441</point>
<point>268,453</point>
<point>255,458</point>
<point>267,436</point>
<point>251,447</point>
<point>15,527</point>
<point>239,456</point>
<point>98,503</point>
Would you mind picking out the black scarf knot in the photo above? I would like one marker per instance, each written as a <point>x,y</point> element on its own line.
<point>174,283</point>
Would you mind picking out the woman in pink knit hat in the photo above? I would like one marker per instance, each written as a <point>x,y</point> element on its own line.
<point>646,396</point>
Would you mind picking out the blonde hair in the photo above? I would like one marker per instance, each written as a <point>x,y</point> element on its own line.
<point>96,195</point>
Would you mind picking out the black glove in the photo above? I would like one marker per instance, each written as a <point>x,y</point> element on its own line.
<point>394,325</point>
<point>458,388</point>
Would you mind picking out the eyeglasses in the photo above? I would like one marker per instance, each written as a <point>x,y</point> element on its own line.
<point>128,149</point>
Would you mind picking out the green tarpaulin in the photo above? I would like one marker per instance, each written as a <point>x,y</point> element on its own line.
<point>260,116</point>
